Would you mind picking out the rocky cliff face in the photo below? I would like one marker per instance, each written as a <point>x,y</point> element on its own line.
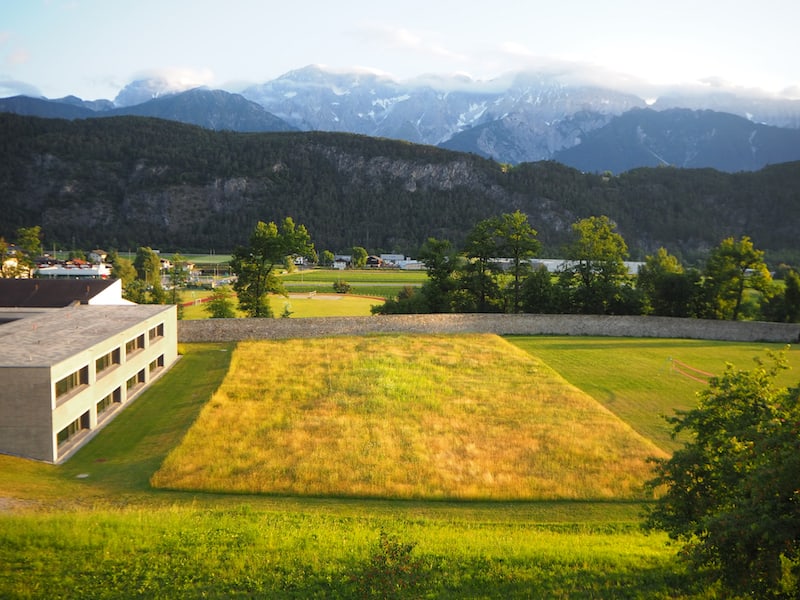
<point>123,182</point>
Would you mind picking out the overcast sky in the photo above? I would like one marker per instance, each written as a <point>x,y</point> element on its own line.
<point>93,48</point>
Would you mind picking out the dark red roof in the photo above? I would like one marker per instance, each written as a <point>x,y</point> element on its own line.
<point>49,293</point>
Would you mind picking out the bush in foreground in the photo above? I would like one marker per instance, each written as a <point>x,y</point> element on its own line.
<point>732,492</point>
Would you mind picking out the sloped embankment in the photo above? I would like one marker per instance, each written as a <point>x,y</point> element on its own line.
<point>405,416</point>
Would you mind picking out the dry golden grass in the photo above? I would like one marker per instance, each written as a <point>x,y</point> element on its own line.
<point>405,416</point>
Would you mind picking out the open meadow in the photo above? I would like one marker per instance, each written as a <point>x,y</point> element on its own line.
<point>95,527</point>
<point>404,416</point>
<point>295,306</point>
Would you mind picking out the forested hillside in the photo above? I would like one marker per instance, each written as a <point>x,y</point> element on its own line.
<point>126,181</point>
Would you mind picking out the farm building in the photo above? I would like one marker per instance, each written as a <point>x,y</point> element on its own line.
<point>71,357</point>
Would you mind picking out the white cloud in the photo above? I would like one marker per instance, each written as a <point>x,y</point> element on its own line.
<point>152,83</point>
<point>176,79</point>
<point>422,43</point>
<point>13,87</point>
<point>791,92</point>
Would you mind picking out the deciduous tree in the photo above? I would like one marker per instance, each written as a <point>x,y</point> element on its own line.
<point>148,266</point>
<point>480,272</point>
<point>732,492</point>
<point>221,305</point>
<point>440,262</point>
<point>121,268</point>
<point>359,257</point>
<point>597,268</point>
<point>668,289</point>
<point>29,239</point>
<point>9,265</point>
<point>732,267</point>
<point>254,265</point>
<point>516,239</point>
<point>326,258</point>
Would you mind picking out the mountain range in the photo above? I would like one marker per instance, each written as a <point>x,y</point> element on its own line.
<point>125,181</point>
<point>521,117</point>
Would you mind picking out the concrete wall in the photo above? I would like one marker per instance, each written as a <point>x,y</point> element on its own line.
<point>228,330</point>
<point>25,414</point>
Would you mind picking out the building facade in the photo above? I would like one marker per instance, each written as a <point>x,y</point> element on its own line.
<point>66,372</point>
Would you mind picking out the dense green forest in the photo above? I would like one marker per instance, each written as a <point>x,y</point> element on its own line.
<point>125,182</point>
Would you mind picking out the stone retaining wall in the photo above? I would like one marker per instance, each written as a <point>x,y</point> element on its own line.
<point>231,330</point>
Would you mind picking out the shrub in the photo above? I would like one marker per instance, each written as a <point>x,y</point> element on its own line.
<point>341,287</point>
<point>392,572</point>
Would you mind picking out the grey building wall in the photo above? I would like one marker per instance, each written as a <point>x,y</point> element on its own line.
<point>26,422</point>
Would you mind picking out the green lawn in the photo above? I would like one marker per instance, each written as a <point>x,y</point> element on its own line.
<point>393,276</point>
<point>636,378</point>
<point>108,534</point>
<point>299,305</point>
<point>383,283</point>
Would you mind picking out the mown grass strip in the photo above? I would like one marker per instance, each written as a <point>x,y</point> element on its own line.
<point>634,377</point>
<point>303,305</point>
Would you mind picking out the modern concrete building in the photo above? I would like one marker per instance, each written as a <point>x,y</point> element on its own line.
<point>66,371</point>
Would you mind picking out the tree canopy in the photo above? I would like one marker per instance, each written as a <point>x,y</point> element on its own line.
<point>732,495</point>
<point>732,267</point>
<point>597,253</point>
<point>254,264</point>
<point>494,272</point>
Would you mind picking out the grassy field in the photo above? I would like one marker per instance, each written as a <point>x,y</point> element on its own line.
<point>355,276</point>
<point>384,283</point>
<point>95,528</point>
<point>299,305</point>
<point>403,416</point>
<point>640,380</point>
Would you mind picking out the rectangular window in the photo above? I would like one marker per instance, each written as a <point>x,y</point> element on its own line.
<point>71,430</point>
<point>157,363</point>
<point>107,361</point>
<point>135,380</point>
<point>134,345</point>
<point>156,332</point>
<point>109,401</point>
<point>105,404</point>
<point>72,381</point>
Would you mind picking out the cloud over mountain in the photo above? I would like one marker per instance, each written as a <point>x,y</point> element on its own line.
<point>157,82</point>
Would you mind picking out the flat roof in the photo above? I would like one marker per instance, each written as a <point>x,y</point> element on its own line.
<point>46,338</point>
<point>49,293</point>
